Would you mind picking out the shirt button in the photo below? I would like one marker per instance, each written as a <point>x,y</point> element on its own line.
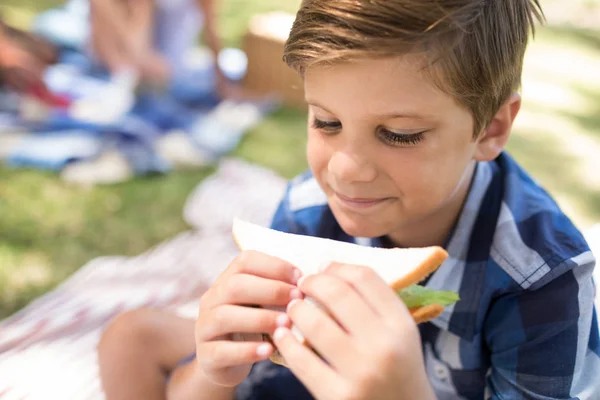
<point>441,373</point>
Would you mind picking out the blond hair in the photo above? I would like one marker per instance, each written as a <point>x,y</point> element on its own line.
<point>474,48</point>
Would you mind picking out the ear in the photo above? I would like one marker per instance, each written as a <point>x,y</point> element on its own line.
<point>493,139</point>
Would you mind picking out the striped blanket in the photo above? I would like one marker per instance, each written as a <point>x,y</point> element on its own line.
<point>47,351</point>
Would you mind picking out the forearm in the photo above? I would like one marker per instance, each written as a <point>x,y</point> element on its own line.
<point>2,61</point>
<point>189,383</point>
<point>211,31</point>
<point>426,392</point>
<point>111,17</point>
<point>3,43</point>
<point>117,35</point>
<point>107,33</point>
<point>213,41</point>
<point>142,22</point>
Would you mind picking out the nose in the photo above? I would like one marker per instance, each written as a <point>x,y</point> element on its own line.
<point>350,168</point>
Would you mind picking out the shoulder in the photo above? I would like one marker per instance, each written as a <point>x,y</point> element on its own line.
<point>512,243</point>
<point>534,241</point>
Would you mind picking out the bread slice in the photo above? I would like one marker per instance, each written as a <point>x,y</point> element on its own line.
<point>399,268</point>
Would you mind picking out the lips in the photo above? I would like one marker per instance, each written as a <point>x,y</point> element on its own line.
<point>360,202</point>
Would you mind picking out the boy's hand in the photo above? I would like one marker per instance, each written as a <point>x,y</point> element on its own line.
<point>365,334</point>
<point>252,279</point>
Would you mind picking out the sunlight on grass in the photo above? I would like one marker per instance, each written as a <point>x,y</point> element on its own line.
<point>19,18</point>
<point>21,13</point>
<point>555,107</point>
<point>47,225</point>
<point>22,270</point>
<point>235,15</point>
<point>278,143</point>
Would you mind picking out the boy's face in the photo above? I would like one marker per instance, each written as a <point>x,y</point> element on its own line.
<point>392,152</point>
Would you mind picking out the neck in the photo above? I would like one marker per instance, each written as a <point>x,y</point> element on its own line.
<point>435,229</point>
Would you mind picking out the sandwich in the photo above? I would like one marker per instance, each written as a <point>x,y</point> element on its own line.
<point>401,269</point>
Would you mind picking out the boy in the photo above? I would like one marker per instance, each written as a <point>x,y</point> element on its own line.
<point>410,104</point>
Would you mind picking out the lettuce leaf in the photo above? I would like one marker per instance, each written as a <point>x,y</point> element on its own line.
<point>419,296</point>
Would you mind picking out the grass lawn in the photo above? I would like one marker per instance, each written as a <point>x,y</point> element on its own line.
<point>49,229</point>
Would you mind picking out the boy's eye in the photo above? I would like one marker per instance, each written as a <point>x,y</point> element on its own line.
<point>328,126</point>
<point>385,135</point>
<point>400,139</point>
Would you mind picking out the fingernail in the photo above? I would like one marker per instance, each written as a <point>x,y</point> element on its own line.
<point>295,294</point>
<point>301,281</point>
<point>323,267</point>
<point>283,320</point>
<point>263,350</point>
<point>279,334</point>
<point>296,275</point>
<point>291,304</point>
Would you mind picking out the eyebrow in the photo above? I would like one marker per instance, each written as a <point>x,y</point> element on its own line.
<point>392,115</point>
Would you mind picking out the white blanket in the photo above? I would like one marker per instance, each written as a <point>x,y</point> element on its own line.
<point>48,350</point>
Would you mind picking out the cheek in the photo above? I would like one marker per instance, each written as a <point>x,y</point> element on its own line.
<point>428,178</point>
<point>413,177</point>
<point>317,153</point>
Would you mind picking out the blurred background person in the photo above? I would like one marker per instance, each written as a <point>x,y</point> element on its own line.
<point>23,59</point>
<point>148,39</point>
<point>152,37</point>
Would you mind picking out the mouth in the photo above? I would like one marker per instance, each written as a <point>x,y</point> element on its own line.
<point>360,202</point>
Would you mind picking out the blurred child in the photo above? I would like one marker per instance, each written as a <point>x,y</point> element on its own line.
<point>151,37</point>
<point>411,104</point>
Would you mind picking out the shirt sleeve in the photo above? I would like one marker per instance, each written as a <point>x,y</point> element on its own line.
<point>283,219</point>
<point>544,343</point>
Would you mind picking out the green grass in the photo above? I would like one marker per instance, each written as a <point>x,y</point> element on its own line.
<point>49,229</point>
<point>237,13</point>
<point>557,133</point>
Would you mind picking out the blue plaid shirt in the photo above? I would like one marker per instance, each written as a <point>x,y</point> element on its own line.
<point>525,327</point>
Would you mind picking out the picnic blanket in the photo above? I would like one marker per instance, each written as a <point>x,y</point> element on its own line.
<point>89,118</point>
<point>47,351</point>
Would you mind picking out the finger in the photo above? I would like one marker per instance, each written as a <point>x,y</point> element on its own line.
<point>320,380</point>
<point>229,319</point>
<point>323,334</point>
<point>343,302</point>
<point>224,354</point>
<point>374,290</point>
<point>243,289</point>
<point>106,43</point>
<point>265,266</point>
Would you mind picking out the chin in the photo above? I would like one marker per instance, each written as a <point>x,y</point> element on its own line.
<point>360,226</point>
